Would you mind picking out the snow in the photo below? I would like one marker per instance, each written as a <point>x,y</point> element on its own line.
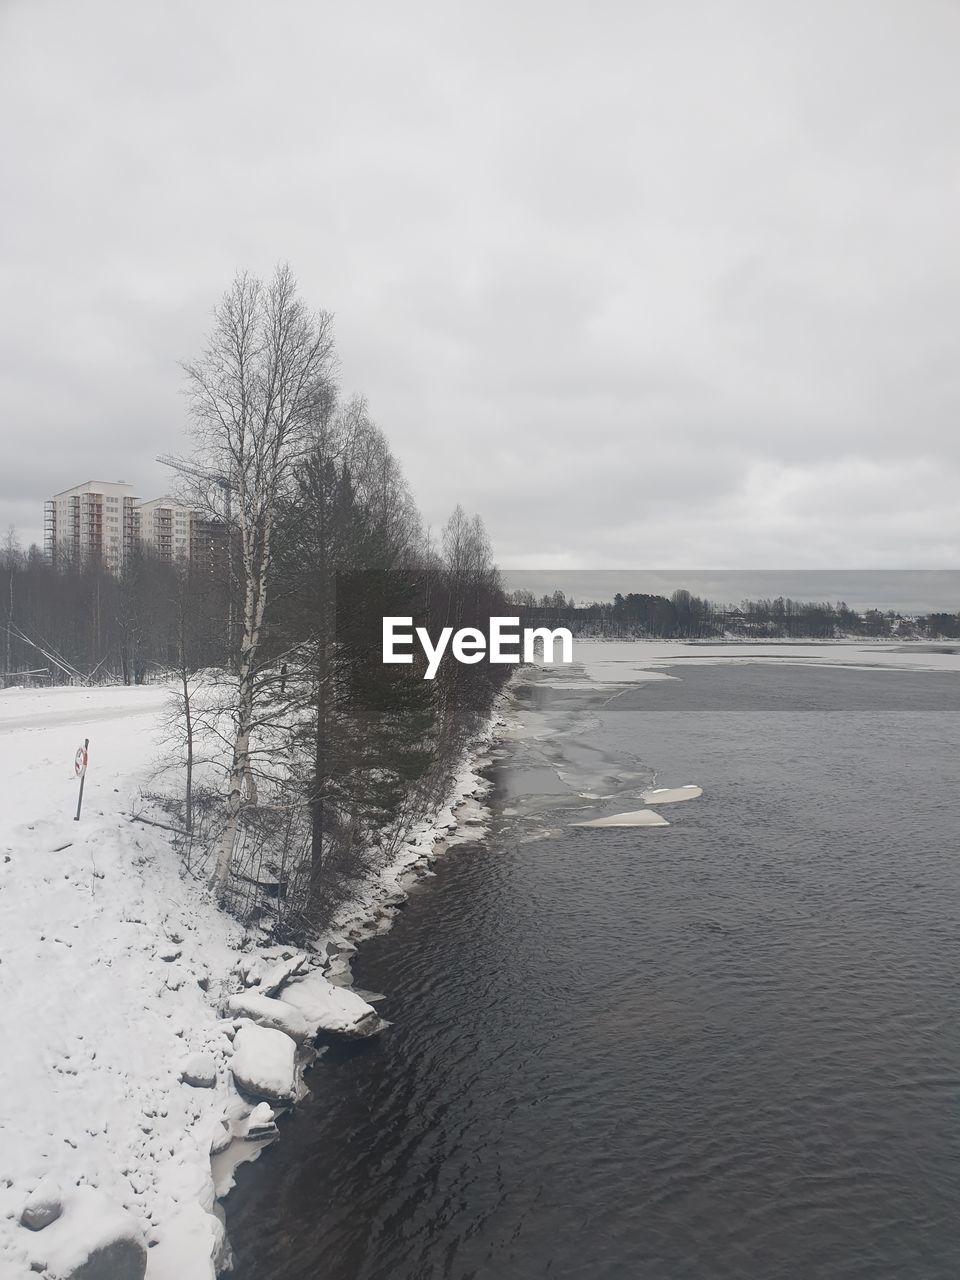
<point>200,1071</point>
<point>264,1064</point>
<point>98,1025</point>
<point>91,1224</point>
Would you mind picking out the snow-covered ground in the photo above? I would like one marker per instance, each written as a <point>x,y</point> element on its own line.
<point>102,949</point>
<point>132,1003</point>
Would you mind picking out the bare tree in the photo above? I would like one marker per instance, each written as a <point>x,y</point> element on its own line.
<point>256,393</point>
<point>11,560</point>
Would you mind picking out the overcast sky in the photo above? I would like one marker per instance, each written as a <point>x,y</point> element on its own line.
<point>645,284</point>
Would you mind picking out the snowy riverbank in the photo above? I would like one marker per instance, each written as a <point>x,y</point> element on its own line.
<point>118,1069</point>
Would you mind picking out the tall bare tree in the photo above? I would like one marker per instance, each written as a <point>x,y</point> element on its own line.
<point>256,394</point>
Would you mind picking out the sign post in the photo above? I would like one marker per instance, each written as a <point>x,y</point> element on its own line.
<point>80,769</point>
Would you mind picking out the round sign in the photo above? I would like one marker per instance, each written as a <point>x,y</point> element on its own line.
<point>80,762</point>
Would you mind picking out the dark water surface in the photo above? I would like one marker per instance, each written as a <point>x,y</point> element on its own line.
<point>726,1048</point>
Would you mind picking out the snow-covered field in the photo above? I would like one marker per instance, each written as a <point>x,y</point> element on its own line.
<point>119,976</point>
<point>102,949</point>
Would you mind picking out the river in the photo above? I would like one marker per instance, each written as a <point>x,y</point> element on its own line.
<point>728,1047</point>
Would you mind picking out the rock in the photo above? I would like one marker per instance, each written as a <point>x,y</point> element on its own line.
<point>169,954</point>
<point>119,1260</point>
<point>278,1014</point>
<point>93,1239</point>
<point>261,1123</point>
<point>334,1010</point>
<point>192,1243</point>
<point>44,1205</point>
<point>222,1137</point>
<point>200,1071</point>
<point>264,1064</point>
<point>281,973</point>
<point>371,997</point>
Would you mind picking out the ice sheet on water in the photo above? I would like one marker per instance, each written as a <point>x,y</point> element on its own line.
<point>671,795</point>
<point>637,818</point>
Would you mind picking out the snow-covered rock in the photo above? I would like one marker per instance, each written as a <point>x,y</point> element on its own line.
<point>261,1123</point>
<point>44,1205</point>
<point>268,1012</point>
<point>334,1010</point>
<point>221,1137</point>
<point>93,1239</point>
<point>200,1070</point>
<point>275,977</point>
<point>264,1064</point>
<point>193,1244</point>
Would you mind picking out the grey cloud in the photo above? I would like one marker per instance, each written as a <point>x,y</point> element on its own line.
<point>640,283</point>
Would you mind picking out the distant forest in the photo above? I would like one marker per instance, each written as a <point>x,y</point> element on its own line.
<point>688,617</point>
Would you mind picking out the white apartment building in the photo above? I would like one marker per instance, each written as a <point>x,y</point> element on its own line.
<point>165,526</point>
<point>97,518</point>
<point>104,520</point>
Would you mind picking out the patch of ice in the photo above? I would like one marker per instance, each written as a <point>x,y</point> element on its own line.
<point>671,795</point>
<point>638,818</point>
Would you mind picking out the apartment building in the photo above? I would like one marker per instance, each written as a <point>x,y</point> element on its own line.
<point>104,520</point>
<point>95,519</point>
<point>165,527</point>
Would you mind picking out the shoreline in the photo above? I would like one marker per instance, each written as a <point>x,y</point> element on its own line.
<point>129,1121</point>
<point>462,818</point>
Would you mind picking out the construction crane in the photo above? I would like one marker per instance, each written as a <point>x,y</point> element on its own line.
<point>188,469</point>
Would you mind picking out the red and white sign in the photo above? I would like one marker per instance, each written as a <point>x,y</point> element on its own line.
<point>80,762</point>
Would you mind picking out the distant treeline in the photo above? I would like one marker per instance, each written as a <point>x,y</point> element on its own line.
<point>80,623</point>
<point>684,616</point>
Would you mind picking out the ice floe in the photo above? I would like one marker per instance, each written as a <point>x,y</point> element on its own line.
<point>671,795</point>
<point>638,818</point>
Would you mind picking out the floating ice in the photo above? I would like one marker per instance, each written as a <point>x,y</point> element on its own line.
<point>638,818</point>
<point>671,795</point>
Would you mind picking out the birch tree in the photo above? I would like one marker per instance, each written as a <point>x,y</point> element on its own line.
<point>256,393</point>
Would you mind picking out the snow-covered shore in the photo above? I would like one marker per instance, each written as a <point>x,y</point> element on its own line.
<point>118,1070</point>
